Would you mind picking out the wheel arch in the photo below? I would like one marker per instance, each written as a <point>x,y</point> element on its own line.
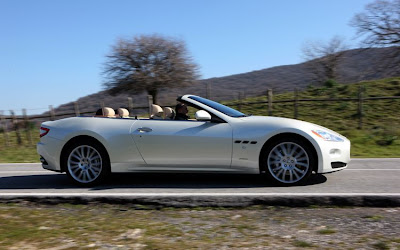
<point>290,135</point>
<point>75,140</point>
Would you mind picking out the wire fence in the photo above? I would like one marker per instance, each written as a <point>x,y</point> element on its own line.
<point>17,125</point>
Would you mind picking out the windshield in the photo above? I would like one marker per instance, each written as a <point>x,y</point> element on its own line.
<point>217,106</point>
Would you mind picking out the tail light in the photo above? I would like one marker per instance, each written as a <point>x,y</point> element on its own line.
<point>43,131</point>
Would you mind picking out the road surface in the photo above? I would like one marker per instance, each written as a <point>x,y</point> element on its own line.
<point>363,176</point>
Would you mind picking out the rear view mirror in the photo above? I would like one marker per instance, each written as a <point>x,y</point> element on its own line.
<point>202,115</point>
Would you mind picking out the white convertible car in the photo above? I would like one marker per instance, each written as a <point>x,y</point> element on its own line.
<point>219,139</point>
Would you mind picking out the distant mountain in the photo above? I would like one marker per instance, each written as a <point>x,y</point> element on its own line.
<point>356,65</point>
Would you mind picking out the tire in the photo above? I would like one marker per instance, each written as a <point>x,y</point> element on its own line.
<point>87,163</point>
<point>288,160</point>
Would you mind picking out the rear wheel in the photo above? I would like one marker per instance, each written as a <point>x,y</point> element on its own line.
<point>87,163</point>
<point>288,161</point>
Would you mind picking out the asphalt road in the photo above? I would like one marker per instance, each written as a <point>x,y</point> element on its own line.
<point>363,176</point>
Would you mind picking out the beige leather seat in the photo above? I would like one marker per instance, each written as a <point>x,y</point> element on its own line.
<point>108,112</point>
<point>156,112</point>
<point>169,113</point>
<point>123,113</point>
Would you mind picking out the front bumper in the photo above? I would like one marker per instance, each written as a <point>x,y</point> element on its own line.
<point>334,156</point>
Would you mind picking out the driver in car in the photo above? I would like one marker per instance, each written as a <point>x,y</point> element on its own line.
<point>181,112</point>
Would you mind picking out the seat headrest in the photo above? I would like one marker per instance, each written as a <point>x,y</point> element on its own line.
<point>108,112</point>
<point>124,113</point>
<point>169,113</point>
<point>156,112</point>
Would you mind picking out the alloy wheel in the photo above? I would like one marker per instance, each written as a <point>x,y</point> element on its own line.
<point>288,162</point>
<point>84,164</point>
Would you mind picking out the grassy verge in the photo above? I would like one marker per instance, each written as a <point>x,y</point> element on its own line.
<point>380,136</point>
<point>15,153</point>
<point>122,227</point>
<point>19,154</point>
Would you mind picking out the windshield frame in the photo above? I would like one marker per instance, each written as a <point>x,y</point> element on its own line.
<point>218,107</point>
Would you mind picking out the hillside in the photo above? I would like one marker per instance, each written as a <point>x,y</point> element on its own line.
<point>357,65</point>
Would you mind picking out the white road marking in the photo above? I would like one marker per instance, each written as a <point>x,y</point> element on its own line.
<point>373,169</point>
<point>51,172</point>
<point>19,164</point>
<point>373,159</point>
<point>25,171</point>
<point>126,195</point>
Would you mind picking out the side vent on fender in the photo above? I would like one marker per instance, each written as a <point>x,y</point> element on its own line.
<point>246,142</point>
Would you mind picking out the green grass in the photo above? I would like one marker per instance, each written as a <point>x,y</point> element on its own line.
<point>27,225</point>
<point>381,245</point>
<point>43,226</point>
<point>15,153</point>
<point>302,244</point>
<point>19,154</point>
<point>374,217</point>
<point>380,136</point>
<point>326,231</point>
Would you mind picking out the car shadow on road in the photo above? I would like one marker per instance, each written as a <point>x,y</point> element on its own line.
<point>149,181</point>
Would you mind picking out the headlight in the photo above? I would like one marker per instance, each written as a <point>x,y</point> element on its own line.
<point>327,136</point>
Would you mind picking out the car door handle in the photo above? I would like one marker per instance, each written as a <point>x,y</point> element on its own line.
<point>144,129</point>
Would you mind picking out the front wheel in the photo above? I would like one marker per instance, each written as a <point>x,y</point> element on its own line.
<point>87,163</point>
<point>288,161</point>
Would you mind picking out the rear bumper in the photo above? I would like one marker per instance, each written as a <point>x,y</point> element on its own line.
<point>49,150</point>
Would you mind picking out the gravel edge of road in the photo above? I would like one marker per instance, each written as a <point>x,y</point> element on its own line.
<point>155,202</point>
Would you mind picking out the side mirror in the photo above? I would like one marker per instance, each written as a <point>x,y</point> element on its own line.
<point>202,115</point>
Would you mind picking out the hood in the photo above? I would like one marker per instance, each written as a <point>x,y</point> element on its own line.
<point>285,122</point>
<point>272,120</point>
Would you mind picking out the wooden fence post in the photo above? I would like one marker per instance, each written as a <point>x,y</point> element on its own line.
<point>269,98</point>
<point>4,127</point>
<point>16,126</point>
<point>296,103</point>
<point>150,101</point>
<point>27,128</point>
<point>208,90</point>
<point>52,113</point>
<point>102,108</point>
<point>76,108</point>
<point>360,107</point>
<point>130,105</point>
<point>240,101</point>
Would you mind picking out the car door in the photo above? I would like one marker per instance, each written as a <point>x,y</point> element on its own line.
<point>170,143</point>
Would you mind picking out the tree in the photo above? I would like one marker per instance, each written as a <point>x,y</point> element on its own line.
<point>379,26</point>
<point>148,63</point>
<point>324,58</point>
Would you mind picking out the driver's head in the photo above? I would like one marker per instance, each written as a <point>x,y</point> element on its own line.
<point>181,108</point>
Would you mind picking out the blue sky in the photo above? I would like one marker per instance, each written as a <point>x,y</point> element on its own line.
<point>52,52</point>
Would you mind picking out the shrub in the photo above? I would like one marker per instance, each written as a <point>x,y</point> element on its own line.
<point>384,136</point>
<point>342,88</point>
<point>342,106</point>
<point>386,140</point>
<point>330,83</point>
